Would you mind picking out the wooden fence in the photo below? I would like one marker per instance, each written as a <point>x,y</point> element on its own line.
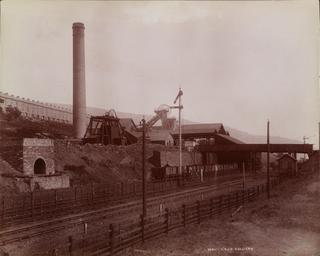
<point>115,237</point>
<point>46,204</point>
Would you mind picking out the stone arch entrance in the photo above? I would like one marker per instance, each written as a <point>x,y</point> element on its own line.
<point>39,166</point>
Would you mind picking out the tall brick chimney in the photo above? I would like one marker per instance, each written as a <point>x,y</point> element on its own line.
<point>79,81</point>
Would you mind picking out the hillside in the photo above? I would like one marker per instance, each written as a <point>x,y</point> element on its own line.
<point>22,128</point>
<point>251,138</point>
<point>135,117</point>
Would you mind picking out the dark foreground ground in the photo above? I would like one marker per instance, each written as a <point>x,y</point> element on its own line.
<point>287,224</point>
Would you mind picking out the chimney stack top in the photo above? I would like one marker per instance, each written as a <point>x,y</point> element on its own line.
<point>78,25</point>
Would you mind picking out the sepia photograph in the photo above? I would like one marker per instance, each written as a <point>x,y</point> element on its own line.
<point>159,128</point>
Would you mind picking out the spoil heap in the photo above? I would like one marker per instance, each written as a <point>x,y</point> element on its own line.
<point>99,163</point>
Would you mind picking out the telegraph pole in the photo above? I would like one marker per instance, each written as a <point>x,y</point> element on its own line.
<point>319,152</point>
<point>268,161</point>
<point>144,210</point>
<point>180,139</point>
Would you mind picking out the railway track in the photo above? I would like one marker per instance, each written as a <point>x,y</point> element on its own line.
<point>114,214</point>
<point>28,210</point>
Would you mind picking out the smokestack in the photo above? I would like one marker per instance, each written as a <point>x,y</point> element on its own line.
<point>79,82</point>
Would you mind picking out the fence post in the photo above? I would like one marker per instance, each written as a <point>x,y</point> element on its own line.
<point>75,199</point>
<point>142,227</point>
<point>243,197</point>
<point>211,207</point>
<point>24,205</point>
<point>198,211</point>
<point>111,234</point>
<point>32,205</point>
<point>121,189</point>
<point>41,206</point>
<point>70,240</point>
<point>55,201</point>
<point>85,231</point>
<point>104,194</point>
<point>184,215</point>
<point>134,188</point>
<point>87,195</point>
<point>237,199</point>
<point>229,203</point>
<point>167,220</point>
<point>83,243</point>
<point>3,211</point>
<point>92,193</point>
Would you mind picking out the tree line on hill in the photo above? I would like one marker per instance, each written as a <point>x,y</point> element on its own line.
<point>10,113</point>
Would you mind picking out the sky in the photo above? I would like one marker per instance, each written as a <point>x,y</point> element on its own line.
<point>238,62</point>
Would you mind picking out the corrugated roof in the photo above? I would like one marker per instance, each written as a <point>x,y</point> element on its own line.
<point>199,128</point>
<point>231,139</point>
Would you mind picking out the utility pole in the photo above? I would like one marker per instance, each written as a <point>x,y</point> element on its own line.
<point>319,152</point>
<point>268,161</point>
<point>180,139</point>
<point>144,210</point>
<point>180,136</point>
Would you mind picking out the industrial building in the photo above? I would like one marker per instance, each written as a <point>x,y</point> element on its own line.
<point>37,110</point>
<point>287,164</point>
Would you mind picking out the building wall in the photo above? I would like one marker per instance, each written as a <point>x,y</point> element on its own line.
<point>37,110</point>
<point>312,164</point>
<point>49,182</point>
<point>34,149</point>
<point>172,158</point>
<point>287,164</point>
